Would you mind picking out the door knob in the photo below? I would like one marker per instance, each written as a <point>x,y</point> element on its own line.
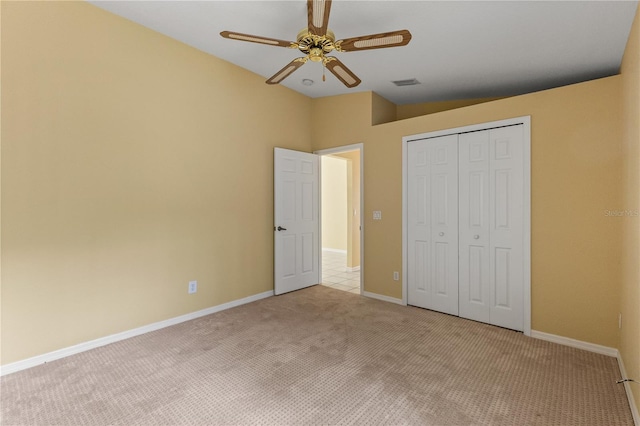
<point>442,234</point>
<point>280,228</point>
<point>475,237</point>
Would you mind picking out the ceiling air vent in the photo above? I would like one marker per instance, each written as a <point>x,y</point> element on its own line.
<point>409,82</point>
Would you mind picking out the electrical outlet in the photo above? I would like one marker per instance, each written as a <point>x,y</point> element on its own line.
<point>620,320</point>
<point>193,287</point>
<point>396,275</point>
<point>377,215</point>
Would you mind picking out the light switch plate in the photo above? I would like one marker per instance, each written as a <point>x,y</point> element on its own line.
<point>377,215</point>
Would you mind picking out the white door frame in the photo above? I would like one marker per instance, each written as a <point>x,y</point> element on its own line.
<point>526,121</point>
<point>339,150</point>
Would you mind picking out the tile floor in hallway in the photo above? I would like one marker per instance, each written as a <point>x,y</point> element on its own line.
<point>335,274</point>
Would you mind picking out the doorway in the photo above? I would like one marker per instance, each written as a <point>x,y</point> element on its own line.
<point>341,227</point>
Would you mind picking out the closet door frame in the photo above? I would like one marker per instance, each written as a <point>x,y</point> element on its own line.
<point>526,189</point>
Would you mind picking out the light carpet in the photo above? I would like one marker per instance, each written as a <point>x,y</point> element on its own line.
<point>326,357</point>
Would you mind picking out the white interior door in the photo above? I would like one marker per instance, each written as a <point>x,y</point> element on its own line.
<point>433,224</point>
<point>297,224</point>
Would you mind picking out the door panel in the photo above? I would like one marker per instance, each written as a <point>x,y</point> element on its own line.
<point>307,201</point>
<point>433,228</point>
<point>502,282</point>
<point>419,230</point>
<point>491,179</point>
<point>297,225</point>
<point>440,199</point>
<point>308,252</point>
<point>421,267</point>
<point>502,202</point>
<point>507,233</point>
<point>288,243</point>
<point>476,193</point>
<point>444,223</point>
<point>476,268</point>
<point>441,264</point>
<point>288,203</point>
<point>474,226</point>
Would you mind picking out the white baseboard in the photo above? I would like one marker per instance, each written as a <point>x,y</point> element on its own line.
<point>383,298</point>
<point>578,344</point>
<point>627,388</point>
<point>102,341</point>
<point>354,269</point>
<point>334,250</point>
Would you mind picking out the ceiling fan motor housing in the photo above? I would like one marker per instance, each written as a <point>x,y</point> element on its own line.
<point>315,46</point>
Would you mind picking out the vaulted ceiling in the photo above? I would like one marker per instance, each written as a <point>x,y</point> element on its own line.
<point>459,49</point>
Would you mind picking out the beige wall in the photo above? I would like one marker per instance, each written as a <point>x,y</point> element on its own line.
<point>334,203</point>
<point>416,110</point>
<point>630,294</point>
<point>576,164</point>
<point>382,110</point>
<point>128,169</point>
<point>353,207</point>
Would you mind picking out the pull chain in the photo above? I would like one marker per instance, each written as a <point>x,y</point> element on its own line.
<point>323,67</point>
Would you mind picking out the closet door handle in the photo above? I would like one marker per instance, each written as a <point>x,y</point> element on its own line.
<point>442,234</point>
<point>475,237</point>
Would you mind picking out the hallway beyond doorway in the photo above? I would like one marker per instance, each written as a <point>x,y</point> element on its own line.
<point>335,273</point>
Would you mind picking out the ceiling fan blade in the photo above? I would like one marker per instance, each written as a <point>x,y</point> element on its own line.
<point>344,74</point>
<point>255,39</point>
<point>375,41</point>
<point>318,13</point>
<point>286,71</point>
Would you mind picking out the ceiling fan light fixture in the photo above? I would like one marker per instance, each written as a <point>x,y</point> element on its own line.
<point>316,54</point>
<point>408,82</point>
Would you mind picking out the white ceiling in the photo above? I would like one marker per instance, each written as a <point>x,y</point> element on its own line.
<point>459,50</point>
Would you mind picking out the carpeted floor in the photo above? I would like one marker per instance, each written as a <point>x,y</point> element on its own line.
<point>322,356</point>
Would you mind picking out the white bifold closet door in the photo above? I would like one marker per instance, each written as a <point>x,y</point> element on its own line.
<point>433,224</point>
<point>491,229</point>
<point>484,224</point>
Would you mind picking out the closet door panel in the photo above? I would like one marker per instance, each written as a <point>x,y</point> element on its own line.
<point>474,226</point>
<point>432,224</point>
<point>444,223</point>
<point>419,225</point>
<point>507,239</point>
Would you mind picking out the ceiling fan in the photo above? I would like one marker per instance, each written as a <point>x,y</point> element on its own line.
<point>317,40</point>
